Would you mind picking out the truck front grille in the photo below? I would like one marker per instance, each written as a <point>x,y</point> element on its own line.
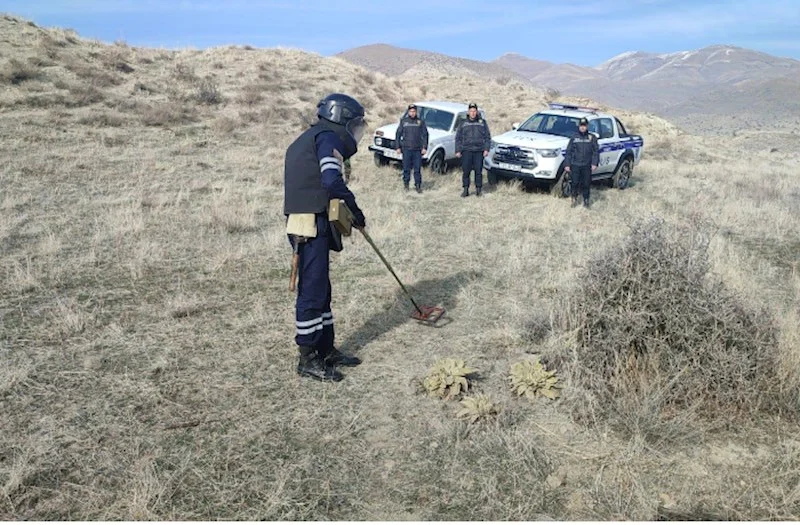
<point>387,143</point>
<point>515,155</point>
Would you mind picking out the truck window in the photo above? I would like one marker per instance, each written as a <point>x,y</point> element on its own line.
<point>606,128</point>
<point>460,120</point>
<point>622,132</point>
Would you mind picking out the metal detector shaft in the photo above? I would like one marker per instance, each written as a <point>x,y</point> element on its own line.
<point>389,267</point>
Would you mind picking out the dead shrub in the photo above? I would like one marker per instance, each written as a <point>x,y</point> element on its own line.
<point>45,101</point>
<point>84,95</point>
<point>16,72</point>
<point>368,77</point>
<point>167,114</point>
<point>552,93</point>
<point>226,125</point>
<point>251,95</point>
<point>207,92</point>
<point>185,73</point>
<point>660,341</point>
<point>103,120</point>
<point>93,74</point>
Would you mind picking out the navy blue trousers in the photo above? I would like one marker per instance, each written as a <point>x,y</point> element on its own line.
<point>313,317</point>
<point>581,177</point>
<point>472,160</point>
<point>412,158</point>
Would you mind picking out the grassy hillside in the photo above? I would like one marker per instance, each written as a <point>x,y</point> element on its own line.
<point>147,361</point>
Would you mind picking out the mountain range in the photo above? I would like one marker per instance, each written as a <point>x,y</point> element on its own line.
<point>718,79</point>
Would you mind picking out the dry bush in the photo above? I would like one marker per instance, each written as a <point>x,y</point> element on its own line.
<point>251,95</point>
<point>553,93</point>
<point>207,92</point>
<point>226,125</point>
<point>185,73</point>
<point>84,95</point>
<point>44,101</point>
<point>92,74</point>
<point>117,59</point>
<point>660,341</point>
<point>16,72</point>
<point>167,114</point>
<point>103,119</point>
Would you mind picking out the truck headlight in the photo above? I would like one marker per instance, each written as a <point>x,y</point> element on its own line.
<point>377,141</point>
<point>548,153</point>
<point>493,145</point>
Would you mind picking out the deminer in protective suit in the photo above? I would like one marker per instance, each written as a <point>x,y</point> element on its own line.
<point>312,178</point>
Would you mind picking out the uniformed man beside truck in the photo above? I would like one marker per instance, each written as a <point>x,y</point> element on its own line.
<point>312,178</point>
<point>581,160</point>
<point>412,142</point>
<point>473,141</point>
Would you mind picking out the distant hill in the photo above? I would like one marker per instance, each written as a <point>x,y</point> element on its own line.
<point>395,61</point>
<point>718,79</point>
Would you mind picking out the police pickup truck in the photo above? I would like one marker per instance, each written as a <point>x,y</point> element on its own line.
<point>535,150</point>
<point>442,120</point>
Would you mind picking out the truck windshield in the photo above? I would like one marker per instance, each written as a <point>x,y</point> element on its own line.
<point>435,118</point>
<point>560,125</point>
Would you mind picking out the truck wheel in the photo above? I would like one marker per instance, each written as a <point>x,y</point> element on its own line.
<point>380,160</point>
<point>562,187</point>
<point>622,175</point>
<point>437,163</point>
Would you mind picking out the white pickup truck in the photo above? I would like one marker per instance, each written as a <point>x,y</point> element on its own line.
<point>535,150</point>
<point>442,120</point>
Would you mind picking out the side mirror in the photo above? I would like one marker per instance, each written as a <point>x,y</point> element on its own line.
<point>596,134</point>
<point>515,125</point>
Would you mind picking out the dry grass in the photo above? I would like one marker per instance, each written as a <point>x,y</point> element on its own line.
<point>146,358</point>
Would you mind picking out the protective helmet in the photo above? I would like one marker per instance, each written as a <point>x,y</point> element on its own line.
<point>345,111</point>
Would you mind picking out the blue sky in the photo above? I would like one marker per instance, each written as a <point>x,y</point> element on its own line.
<point>583,32</point>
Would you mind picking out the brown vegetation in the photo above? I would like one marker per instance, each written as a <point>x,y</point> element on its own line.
<point>146,357</point>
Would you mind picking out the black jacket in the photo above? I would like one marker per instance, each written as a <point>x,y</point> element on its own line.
<point>473,135</point>
<point>582,150</point>
<point>412,134</point>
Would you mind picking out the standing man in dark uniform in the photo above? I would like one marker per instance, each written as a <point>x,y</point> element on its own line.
<point>473,141</point>
<point>313,176</point>
<point>412,142</point>
<point>581,161</point>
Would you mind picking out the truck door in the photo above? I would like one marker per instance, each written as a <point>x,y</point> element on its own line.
<point>450,140</point>
<point>610,147</point>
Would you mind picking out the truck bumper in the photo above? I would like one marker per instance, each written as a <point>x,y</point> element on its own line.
<point>392,155</point>
<point>544,172</point>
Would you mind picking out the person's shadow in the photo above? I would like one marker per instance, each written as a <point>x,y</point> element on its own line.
<point>433,292</point>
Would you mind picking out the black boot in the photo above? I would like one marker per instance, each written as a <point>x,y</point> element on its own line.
<point>586,203</point>
<point>418,188</point>
<point>336,358</point>
<point>310,365</point>
<point>405,186</point>
<point>574,201</point>
<point>478,192</point>
<point>465,193</point>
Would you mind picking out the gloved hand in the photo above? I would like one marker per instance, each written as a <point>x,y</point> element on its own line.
<point>359,221</point>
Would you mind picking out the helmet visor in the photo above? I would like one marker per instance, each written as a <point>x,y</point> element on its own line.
<point>356,128</point>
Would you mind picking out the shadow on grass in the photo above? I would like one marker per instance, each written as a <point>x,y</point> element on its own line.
<point>433,292</point>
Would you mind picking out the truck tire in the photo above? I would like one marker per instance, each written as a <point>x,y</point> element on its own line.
<point>622,174</point>
<point>562,187</point>
<point>380,160</point>
<point>437,164</point>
